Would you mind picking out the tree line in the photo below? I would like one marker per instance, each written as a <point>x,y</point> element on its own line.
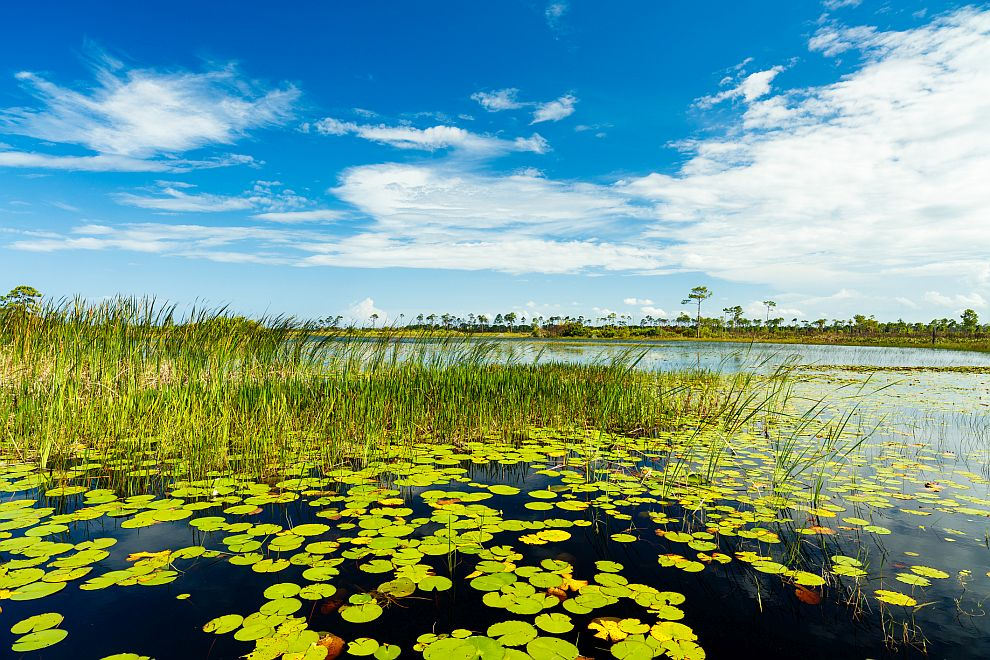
<point>731,323</point>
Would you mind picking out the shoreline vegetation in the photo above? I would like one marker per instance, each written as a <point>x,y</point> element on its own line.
<point>209,394</point>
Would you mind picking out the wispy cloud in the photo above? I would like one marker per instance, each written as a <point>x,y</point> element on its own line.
<point>224,244</point>
<point>749,88</point>
<point>269,196</point>
<point>958,301</point>
<point>499,99</point>
<point>134,116</point>
<point>554,15</point>
<point>839,4</point>
<point>507,99</point>
<point>430,139</point>
<point>292,217</point>
<point>555,110</point>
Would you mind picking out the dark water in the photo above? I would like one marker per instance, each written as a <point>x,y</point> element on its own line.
<point>735,611</point>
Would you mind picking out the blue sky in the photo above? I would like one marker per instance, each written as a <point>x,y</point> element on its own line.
<point>561,158</point>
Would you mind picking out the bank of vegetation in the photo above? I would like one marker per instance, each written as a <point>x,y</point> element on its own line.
<point>130,380</point>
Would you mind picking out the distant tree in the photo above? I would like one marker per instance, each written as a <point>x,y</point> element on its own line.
<point>698,295</point>
<point>374,319</point>
<point>734,315</point>
<point>970,320</point>
<point>23,299</point>
<point>769,304</point>
<point>510,319</point>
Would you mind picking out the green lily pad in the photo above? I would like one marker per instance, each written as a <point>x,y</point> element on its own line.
<point>512,633</point>
<point>362,646</point>
<point>362,609</point>
<point>551,648</point>
<point>37,623</point>
<point>555,623</point>
<point>223,624</point>
<point>39,640</point>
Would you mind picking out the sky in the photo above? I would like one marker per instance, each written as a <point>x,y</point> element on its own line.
<point>558,158</point>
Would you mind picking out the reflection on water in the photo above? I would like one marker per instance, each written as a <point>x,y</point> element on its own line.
<point>724,356</point>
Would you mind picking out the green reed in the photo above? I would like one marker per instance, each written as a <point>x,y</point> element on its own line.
<point>134,383</point>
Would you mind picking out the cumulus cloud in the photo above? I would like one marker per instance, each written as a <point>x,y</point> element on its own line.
<point>637,301</point>
<point>131,115</point>
<point>363,310</point>
<point>655,312</point>
<point>555,110</point>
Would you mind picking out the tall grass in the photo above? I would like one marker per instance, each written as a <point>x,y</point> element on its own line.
<point>132,383</point>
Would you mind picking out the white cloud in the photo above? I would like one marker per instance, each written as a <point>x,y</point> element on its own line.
<point>258,244</point>
<point>171,197</point>
<point>433,138</point>
<point>554,14</point>
<point>415,201</point>
<point>554,110</point>
<point>175,201</point>
<point>832,40</point>
<point>958,301</point>
<point>141,114</point>
<point>418,217</point>
<point>750,88</point>
<point>499,99</point>
<point>363,310</point>
<point>637,301</point>
<point>655,312</point>
<point>114,163</point>
<point>288,217</point>
<point>839,4</point>
<point>882,172</point>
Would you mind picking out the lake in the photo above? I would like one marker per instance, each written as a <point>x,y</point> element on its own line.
<point>690,544</point>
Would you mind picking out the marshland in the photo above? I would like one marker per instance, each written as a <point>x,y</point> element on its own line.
<point>194,485</point>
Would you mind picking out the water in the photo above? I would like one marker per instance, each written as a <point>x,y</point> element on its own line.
<point>915,498</point>
<point>724,356</point>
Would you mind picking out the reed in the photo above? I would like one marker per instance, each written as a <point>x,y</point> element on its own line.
<point>131,383</point>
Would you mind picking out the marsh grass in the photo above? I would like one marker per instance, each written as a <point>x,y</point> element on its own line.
<point>130,382</point>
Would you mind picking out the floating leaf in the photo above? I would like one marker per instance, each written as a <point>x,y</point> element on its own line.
<point>554,623</point>
<point>551,648</point>
<point>223,624</point>
<point>895,598</point>
<point>37,623</point>
<point>39,640</point>
<point>513,633</point>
